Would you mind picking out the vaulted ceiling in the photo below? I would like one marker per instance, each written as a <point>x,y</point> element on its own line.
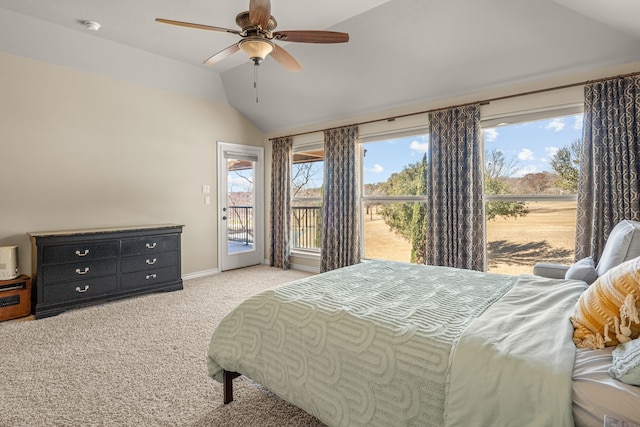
<point>401,52</point>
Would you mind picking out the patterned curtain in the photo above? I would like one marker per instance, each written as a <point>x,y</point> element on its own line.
<point>340,213</point>
<point>609,183</point>
<point>281,202</point>
<point>455,211</point>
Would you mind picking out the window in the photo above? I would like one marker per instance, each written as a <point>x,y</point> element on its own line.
<point>531,178</point>
<point>393,197</point>
<point>306,188</point>
<point>531,170</point>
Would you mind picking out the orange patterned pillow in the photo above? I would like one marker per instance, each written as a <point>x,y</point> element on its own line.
<point>607,313</point>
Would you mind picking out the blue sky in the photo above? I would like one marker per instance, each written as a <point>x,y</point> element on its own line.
<point>532,144</point>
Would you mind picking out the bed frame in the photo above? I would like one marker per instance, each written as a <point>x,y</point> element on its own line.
<point>227,385</point>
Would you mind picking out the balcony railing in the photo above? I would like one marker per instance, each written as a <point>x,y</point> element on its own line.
<point>240,224</point>
<point>305,227</point>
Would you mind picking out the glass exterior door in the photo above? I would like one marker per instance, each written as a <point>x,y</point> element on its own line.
<point>240,194</point>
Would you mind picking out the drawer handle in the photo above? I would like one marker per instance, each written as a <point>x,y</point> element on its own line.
<point>85,253</point>
<point>151,262</point>
<point>86,288</point>
<point>85,271</point>
<point>151,276</point>
<point>151,245</point>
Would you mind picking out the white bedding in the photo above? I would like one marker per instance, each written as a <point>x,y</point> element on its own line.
<point>596,394</point>
<point>513,365</point>
<point>367,345</point>
<point>391,344</point>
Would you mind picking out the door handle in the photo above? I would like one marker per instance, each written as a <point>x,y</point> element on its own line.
<point>224,218</point>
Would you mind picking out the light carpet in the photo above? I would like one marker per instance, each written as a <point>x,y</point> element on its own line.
<point>136,362</point>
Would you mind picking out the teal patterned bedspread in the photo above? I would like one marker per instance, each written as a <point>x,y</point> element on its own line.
<point>366,345</point>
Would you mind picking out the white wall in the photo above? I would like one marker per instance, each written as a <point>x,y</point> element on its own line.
<point>79,149</point>
<point>85,50</point>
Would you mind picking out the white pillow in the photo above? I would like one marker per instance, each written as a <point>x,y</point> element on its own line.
<point>626,362</point>
<point>584,270</point>
<point>622,245</point>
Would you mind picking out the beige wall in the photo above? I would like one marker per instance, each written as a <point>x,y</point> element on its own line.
<point>81,150</point>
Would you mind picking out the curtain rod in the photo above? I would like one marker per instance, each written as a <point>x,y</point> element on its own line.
<point>481,102</point>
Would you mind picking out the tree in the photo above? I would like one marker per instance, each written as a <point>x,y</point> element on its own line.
<point>537,183</point>
<point>497,170</point>
<point>419,219</point>
<point>304,176</point>
<point>400,216</point>
<point>566,163</point>
<point>497,166</point>
<point>408,220</point>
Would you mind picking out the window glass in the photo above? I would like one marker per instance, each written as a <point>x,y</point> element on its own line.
<point>306,188</point>
<point>531,178</point>
<point>390,166</point>
<point>394,184</point>
<point>240,202</point>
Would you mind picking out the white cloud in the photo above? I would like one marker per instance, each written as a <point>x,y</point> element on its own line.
<point>490,134</point>
<point>240,184</point>
<point>525,170</point>
<point>551,151</point>
<point>526,154</point>
<point>375,169</point>
<point>577,123</point>
<point>556,125</point>
<point>422,147</point>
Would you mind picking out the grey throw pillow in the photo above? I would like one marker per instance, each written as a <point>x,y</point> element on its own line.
<point>583,270</point>
<point>626,362</point>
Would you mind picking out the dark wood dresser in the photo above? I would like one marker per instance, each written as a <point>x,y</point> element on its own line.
<point>82,267</point>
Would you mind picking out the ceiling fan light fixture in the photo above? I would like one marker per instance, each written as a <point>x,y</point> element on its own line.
<point>256,48</point>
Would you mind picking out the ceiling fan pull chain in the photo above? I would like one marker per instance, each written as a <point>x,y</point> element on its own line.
<point>255,79</point>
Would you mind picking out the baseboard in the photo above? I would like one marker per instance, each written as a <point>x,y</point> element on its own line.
<point>211,272</point>
<point>198,274</point>
<point>307,268</point>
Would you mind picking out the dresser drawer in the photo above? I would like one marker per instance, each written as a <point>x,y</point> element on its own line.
<point>89,251</point>
<point>149,262</point>
<point>150,245</point>
<point>78,270</point>
<point>149,277</point>
<point>79,290</point>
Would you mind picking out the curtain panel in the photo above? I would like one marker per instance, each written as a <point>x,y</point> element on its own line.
<point>455,209</point>
<point>340,214</point>
<point>609,183</point>
<point>281,202</point>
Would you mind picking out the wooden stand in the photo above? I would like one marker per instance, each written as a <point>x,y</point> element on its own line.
<point>15,298</point>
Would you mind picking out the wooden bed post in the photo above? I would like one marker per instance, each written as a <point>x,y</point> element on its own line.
<point>227,385</point>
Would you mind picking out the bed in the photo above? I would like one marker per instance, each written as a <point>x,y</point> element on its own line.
<point>393,344</point>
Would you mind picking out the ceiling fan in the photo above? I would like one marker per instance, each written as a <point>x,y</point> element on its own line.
<point>257,36</point>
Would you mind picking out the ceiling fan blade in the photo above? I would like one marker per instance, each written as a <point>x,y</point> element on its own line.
<point>285,59</point>
<point>260,13</point>
<point>222,54</point>
<point>199,26</point>
<point>304,36</point>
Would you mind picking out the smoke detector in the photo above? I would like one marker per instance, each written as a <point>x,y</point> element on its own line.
<point>91,25</point>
